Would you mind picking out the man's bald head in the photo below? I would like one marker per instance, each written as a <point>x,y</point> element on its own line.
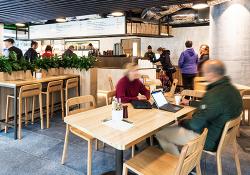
<point>214,70</point>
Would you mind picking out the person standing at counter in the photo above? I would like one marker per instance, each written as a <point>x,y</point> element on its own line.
<point>150,55</point>
<point>166,63</point>
<point>9,44</point>
<point>48,52</point>
<point>69,52</point>
<point>204,56</point>
<point>188,64</point>
<point>31,54</point>
<point>130,87</point>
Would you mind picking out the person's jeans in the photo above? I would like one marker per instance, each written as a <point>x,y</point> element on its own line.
<point>188,81</point>
<point>173,136</point>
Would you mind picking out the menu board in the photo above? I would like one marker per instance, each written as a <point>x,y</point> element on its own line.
<point>95,27</point>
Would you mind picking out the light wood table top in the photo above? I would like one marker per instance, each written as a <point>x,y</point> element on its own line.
<point>22,82</point>
<point>146,122</point>
<point>240,87</point>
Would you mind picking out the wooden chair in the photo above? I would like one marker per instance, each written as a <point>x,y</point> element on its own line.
<point>173,88</point>
<point>228,137</point>
<point>154,161</point>
<point>109,97</point>
<point>76,101</point>
<point>26,92</point>
<point>246,106</point>
<point>70,84</point>
<point>198,83</point>
<point>111,84</point>
<point>54,86</point>
<point>193,94</point>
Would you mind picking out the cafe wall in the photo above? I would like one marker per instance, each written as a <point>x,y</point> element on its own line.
<point>230,38</point>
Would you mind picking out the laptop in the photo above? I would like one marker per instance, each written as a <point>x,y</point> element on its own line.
<point>141,104</point>
<point>163,104</point>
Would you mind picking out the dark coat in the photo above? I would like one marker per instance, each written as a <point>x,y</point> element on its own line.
<point>202,60</point>
<point>165,61</point>
<point>150,56</point>
<point>221,103</point>
<point>31,55</point>
<point>18,52</point>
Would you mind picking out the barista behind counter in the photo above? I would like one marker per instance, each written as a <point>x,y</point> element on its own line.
<point>150,55</point>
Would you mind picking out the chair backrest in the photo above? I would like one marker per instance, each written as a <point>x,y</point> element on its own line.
<point>191,154</point>
<point>109,97</point>
<point>229,133</point>
<point>144,78</point>
<point>246,99</point>
<point>72,83</point>
<point>173,87</point>
<point>111,83</point>
<point>55,86</point>
<point>30,90</point>
<point>194,94</point>
<point>198,80</point>
<point>87,100</point>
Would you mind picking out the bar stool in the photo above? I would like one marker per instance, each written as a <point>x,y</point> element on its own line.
<point>26,92</point>
<point>54,86</point>
<point>70,84</point>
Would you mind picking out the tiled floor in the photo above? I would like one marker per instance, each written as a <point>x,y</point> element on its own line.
<point>39,153</point>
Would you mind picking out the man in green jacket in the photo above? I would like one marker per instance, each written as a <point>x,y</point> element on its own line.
<point>221,103</point>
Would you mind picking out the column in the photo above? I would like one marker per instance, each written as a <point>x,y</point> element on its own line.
<point>1,38</point>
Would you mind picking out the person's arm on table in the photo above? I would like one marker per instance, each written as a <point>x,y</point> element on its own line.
<point>208,110</point>
<point>144,91</point>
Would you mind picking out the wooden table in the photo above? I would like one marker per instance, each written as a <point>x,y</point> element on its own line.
<point>203,85</point>
<point>16,84</point>
<point>146,122</point>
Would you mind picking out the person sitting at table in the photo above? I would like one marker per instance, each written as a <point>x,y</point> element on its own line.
<point>221,103</point>
<point>130,87</point>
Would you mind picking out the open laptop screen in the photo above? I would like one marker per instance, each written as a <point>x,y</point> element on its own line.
<point>159,98</point>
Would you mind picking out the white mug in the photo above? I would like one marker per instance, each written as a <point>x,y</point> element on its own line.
<point>177,99</point>
<point>38,75</point>
<point>117,115</point>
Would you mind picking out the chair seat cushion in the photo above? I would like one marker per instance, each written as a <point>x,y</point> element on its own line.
<point>153,161</point>
<point>80,133</point>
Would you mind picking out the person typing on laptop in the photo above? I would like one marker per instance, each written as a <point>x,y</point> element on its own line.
<point>129,87</point>
<point>221,103</point>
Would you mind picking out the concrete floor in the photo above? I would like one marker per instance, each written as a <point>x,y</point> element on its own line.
<point>39,153</point>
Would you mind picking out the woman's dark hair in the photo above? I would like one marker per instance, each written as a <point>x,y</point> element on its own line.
<point>160,49</point>
<point>189,44</point>
<point>48,48</point>
<point>33,43</point>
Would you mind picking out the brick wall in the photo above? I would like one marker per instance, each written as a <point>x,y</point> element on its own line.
<point>230,38</point>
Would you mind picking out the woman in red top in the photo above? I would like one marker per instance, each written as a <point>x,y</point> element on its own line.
<point>48,52</point>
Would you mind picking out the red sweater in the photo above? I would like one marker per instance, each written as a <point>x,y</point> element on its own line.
<point>129,90</point>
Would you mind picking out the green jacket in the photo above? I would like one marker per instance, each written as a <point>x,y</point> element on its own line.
<point>221,103</point>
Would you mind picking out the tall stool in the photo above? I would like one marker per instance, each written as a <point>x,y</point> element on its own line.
<point>26,92</point>
<point>70,84</point>
<point>54,86</point>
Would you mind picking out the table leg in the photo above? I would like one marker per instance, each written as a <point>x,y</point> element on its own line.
<point>119,161</point>
<point>15,113</point>
<point>79,85</point>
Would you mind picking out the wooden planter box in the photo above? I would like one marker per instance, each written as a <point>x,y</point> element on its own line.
<point>15,75</point>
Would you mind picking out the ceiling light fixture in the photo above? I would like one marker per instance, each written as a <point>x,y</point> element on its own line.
<point>60,20</point>
<point>117,14</point>
<point>20,24</point>
<point>199,5</point>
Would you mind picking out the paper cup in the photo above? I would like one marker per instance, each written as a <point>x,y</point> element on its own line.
<point>38,75</point>
<point>177,99</point>
<point>117,115</point>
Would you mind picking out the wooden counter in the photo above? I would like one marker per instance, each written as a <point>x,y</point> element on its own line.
<point>112,61</point>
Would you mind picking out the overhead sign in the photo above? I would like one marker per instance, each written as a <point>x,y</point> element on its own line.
<point>95,27</point>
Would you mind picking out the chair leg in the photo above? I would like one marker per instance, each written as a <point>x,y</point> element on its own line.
<point>125,169</point>
<point>33,109</point>
<point>248,114</point>
<point>236,158</point>
<point>66,142</point>
<point>219,165</point>
<point>62,103</point>
<point>47,103</point>
<point>26,111</point>
<point>41,109</point>
<point>133,151</point>
<point>151,141</point>
<point>52,104</point>
<point>107,100</point>
<point>198,168</point>
<point>89,169</point>
<point>96,145</point>
<point>7,114</point>
<point>20,119</point>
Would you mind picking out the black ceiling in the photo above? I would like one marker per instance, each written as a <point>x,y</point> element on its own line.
<point>13,11</point>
